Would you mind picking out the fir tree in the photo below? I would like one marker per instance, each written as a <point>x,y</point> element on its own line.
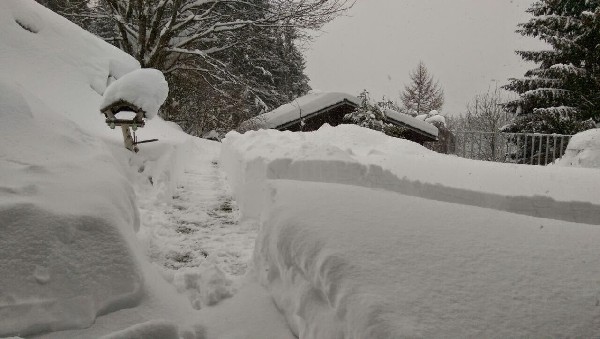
<point>424,94</point>
<point>561,95</point>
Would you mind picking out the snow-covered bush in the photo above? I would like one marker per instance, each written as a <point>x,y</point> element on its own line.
<point>371,115</point>
<point>583,150</point>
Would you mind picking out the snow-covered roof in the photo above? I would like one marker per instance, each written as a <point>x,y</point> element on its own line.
<point>303,107</point>
<point>411,122</point>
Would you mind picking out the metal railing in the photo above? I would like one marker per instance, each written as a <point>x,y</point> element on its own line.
<point>521,148</point>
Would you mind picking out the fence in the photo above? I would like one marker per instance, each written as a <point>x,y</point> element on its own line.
<point>521,148</point>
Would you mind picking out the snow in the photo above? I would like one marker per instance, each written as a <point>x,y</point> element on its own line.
<point>76,208</point>
<point>583,150</point>
<point>478,251</point>
<point>145,88</point>
<point>436,118</point>
<point>412,121</point>
<point>56,271</point>
<point>357,234</point>
<point>299,108</point>
<point>360,267</point>
<point>349,154</point>
<point>154,329</point>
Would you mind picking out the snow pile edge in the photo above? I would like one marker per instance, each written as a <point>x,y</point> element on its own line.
<point>248,169</point>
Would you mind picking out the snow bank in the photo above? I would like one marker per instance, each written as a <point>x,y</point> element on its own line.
<point>154,329</point>
<point>583,150</point>
<point>345,262</point>
<point>66,67</point>
<point>349,154</point>
<point>145,88</point>
<point>68,211</point>
<point>65,211</point>
<point>359,260</point>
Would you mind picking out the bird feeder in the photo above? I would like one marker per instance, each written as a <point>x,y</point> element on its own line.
<point>134,118</point>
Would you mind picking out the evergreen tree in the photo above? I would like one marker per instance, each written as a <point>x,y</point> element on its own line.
<point>561,95</point>
<point>371,115</point>
<point>424,94</point>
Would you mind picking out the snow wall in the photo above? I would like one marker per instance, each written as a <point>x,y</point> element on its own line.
<point>349,155</point>
<point>443,258</point>
<point>68,211</point>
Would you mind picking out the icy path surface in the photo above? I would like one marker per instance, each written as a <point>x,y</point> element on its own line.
<point>199,225</point>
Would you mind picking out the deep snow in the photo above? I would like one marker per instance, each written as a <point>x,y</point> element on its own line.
<point>583,150</point>
<point>357,234</point>
<point>348,154</point>
<point>360,237</point>
<point>76,208</point>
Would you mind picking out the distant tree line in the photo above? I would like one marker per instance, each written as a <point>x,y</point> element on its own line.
<point>225,60</point>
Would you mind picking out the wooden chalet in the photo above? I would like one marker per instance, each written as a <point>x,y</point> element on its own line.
<point>311,111</point>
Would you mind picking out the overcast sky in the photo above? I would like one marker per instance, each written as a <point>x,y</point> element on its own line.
<point>468,45</point>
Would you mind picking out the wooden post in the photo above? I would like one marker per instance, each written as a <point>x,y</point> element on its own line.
<point>128,139</point>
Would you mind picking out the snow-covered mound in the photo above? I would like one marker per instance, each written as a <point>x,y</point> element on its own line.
<point>583,150</point>
<point>145,88</point>
<point>476,251</point>
<point>349,262</point>
<point>349,154</point>
<point>68,211</point>
<point>65,259</point>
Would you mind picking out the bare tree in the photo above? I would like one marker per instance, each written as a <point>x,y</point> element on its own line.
<point>185,34</point>
<point>423,94</point>
<point>480,127</point>
<point>486,112</point>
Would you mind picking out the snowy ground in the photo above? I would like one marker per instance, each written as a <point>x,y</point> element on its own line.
<point>361,236</point>
<point>340,233</point>
<point>196,230</point>
<point>96,240</point>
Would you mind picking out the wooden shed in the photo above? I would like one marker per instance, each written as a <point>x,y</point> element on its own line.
<point>311,111</point>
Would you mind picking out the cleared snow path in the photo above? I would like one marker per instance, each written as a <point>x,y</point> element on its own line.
<point>199,225</point>
<point>194,237</point>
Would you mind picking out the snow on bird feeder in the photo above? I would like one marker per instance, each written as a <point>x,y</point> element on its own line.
<point>131,99</point>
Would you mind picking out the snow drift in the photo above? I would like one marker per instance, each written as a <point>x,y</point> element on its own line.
<point>65,260</point>
<point>68,213</point>
<point>345,256</point>
<point>348,154</point>
<point>583,150</point>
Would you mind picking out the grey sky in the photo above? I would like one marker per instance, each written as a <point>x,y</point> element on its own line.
<point>468,45</point>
